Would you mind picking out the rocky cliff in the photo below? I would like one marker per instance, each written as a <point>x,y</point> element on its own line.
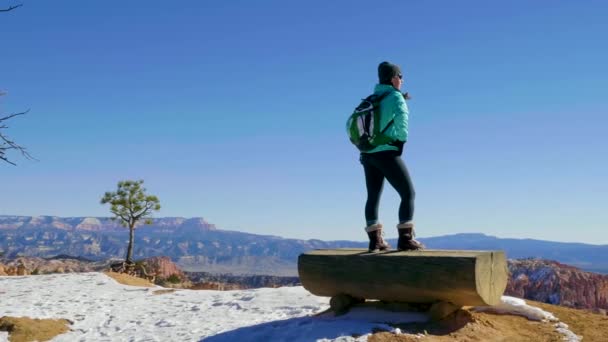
<point>163,267</point>
<point>36,265</point>
<point>555,283</point>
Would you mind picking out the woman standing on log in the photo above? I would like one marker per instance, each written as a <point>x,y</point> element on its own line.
<point>384,161</point>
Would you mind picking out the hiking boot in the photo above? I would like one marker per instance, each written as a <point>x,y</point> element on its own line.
<point>406,238</point>
<point>376,241</point>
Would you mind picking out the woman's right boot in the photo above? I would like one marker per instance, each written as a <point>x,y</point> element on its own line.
<point>406,238</point>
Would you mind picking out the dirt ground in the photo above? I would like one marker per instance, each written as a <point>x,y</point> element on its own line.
<point>23,329</point>
<point>466,326</point>
<point>593,327</point>
<point>129,280</point>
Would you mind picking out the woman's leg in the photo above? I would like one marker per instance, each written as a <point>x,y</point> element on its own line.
<point>395,171</point>
<point>374,182</point>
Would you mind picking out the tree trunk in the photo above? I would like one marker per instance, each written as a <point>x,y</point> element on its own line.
<point>428,276</point>
<point>129,258</point>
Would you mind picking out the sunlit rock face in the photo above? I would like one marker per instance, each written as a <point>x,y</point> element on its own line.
<point>555,283</point>
<point>163,267</point>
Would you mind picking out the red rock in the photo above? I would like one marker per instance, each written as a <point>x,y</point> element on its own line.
<point>163,267</point>
<point>555,283</point>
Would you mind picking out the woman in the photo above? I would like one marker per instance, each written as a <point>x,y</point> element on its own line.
<point>384,161</point>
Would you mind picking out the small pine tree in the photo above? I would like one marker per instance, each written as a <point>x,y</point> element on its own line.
<point>130,204</point>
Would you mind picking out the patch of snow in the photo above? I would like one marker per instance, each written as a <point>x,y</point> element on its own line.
<point>104,310</point>
<point>3,336</point>
<point>517,306</point>
<point>358,322</point>
<point>569,336</point>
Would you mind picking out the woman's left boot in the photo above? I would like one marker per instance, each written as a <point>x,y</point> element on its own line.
<point>376,241</point>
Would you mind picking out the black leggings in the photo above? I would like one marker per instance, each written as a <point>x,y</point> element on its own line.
<point>389,165</point>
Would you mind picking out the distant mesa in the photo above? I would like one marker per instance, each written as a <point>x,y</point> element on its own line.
<point>196,224</point>
<point>35,220</point>
<point>197,245</point>
<point>90,223</point>
<point>11,222</point>
<point>100,224</point>
<point>168,221</point>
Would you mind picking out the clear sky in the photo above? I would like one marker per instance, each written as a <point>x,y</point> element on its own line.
<point>235,111</point>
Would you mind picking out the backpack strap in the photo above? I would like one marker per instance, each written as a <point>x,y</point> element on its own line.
<point>380,98</point>
<point>388,125</point>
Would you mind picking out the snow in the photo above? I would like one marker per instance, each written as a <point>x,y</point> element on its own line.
<point>517,306</point>
<point>569,336</point>
<point>104,310</point>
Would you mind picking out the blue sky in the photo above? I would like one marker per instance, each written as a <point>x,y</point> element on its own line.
<point>235,111</point>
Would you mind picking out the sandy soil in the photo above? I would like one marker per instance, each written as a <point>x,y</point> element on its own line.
<point>22,329</point>
<point>593,327</point>
<point>129,280</point>
<point>466,325</point>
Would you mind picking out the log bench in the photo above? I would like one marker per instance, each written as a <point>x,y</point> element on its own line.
<point>445,279</point>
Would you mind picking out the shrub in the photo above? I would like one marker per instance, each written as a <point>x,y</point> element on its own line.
<point>174,279</point>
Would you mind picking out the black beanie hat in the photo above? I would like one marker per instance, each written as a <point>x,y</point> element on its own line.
<point>386,71</point>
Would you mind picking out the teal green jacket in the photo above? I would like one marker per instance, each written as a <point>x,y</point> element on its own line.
<point>393,106</point>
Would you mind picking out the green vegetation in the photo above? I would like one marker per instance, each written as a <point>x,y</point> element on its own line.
<point>130,204</point>
<point>174,279</point>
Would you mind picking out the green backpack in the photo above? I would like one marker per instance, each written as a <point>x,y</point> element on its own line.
<point>363,125</point>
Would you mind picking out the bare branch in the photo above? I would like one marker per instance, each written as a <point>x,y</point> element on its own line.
<point>13,115</point>
<point>145,211</point>
<point>126,220</point>
<point>6,160</point>
<point>11,8</point>
<point>7,144</point>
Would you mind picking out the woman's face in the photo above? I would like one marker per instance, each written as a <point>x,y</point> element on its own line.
<point>397,81</point>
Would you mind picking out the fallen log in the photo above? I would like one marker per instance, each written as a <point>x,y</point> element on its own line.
<point>463,278</point>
